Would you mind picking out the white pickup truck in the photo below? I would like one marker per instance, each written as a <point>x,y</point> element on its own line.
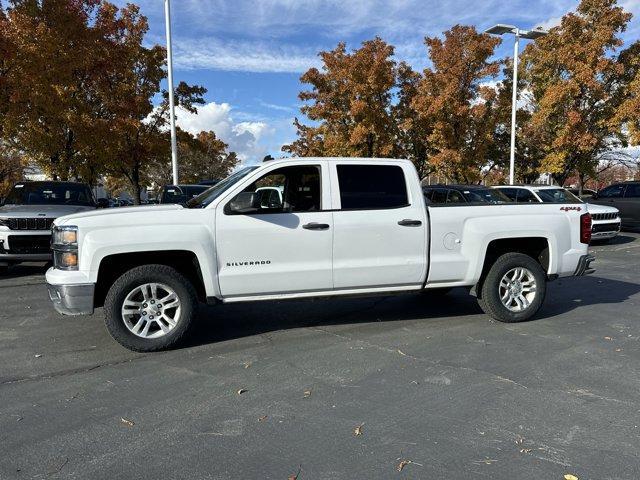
<point>342,227</point>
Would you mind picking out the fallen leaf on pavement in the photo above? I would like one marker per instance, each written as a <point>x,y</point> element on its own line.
<point>525,450</point>
<point>568,476</point>
<point>247,364</point>
<point>241,391</point>
<point>128,423</point>
<point>307,394</point>
<point>38,355</point>
<point>608,338</point>
<point>294,476</point>
<point>402,464</point>
<point>402,353</point>
<point>262,418</point>
<point>358,430</point>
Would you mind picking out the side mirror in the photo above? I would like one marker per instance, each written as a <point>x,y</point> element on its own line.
<point>245,202</point>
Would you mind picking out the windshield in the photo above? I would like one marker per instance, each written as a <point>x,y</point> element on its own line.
<point>204,199</point>
<point>181,193</point>
<point>50,193</point>
<point>557,195</point>
<point>485,195</point>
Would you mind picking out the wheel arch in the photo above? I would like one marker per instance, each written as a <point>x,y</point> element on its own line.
<point>537,248</point>
<point>111,267</point>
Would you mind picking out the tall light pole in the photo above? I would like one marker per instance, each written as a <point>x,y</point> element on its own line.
<point>172,112</point>
<point>501,29</point>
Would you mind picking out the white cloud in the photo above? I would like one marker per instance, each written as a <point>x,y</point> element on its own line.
<point>244,138</point>
<point>549,23</point>
<point>246,56</point>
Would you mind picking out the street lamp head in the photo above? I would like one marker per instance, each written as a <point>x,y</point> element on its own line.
<point>533,34</point>
<point>501,29</point>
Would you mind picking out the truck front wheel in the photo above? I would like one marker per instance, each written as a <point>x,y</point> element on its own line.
<point>514,288</point>
<point>150,308</point>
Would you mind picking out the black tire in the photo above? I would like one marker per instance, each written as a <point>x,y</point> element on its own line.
<point>489,293</point>
<point>136,277</point>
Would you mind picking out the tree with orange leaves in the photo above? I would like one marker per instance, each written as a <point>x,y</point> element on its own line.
<point>351,99</point>
<point>578,82</point>
<point>454,98</point>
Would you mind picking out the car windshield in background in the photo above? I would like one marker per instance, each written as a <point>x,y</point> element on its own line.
<point>50,193</point>
<point>204,199</point>
<point>557,195</point>
<point>485,195</point>
<point>182,193</point>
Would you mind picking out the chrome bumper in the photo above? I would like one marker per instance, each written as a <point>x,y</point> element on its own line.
<point>583,267</point>
<point>72,299</point>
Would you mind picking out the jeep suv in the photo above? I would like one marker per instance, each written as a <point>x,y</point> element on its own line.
<point>26,215</point>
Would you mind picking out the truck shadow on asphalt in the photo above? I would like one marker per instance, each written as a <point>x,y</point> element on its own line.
<point>227,322</point>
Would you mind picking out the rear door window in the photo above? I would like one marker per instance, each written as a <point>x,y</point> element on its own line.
<point>369,187</point>
<point>455,197</point>
<point>633,191</point>
<point>614,191</point>
<point>526,196</point>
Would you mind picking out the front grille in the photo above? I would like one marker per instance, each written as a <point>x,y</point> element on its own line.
<point>29,244</point>
<point>604,216</point>
<point>605,227</point>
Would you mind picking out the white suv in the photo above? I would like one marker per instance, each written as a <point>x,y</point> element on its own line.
<point>605,221</point>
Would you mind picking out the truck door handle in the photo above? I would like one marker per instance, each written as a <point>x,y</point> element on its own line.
<point>315,226</point>
<point>410,223</point>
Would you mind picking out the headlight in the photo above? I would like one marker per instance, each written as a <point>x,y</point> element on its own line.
<point>64,244</point>
<point>65,260</point>
<point>66,235</point>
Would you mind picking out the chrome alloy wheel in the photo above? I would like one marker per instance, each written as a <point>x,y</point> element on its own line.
<point>517,289</point>
<point>151,310</point>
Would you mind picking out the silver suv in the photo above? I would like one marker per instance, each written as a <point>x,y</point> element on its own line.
<point>26,215</point>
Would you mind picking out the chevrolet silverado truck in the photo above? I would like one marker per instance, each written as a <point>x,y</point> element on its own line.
<point>343,227</point>
<point>27,213</point>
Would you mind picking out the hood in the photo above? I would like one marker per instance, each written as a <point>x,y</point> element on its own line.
<point>44,211</point>
<point>594,208</point>
<point>117,215</point>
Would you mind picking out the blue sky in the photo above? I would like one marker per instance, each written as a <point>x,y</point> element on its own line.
<point>250,54</point>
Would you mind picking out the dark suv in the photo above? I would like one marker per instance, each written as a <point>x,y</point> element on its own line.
<point>625,197</point>
<point>463,194</point>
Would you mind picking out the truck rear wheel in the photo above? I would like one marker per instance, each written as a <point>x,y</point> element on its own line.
<point>514,288</point>
<point>150,308</point>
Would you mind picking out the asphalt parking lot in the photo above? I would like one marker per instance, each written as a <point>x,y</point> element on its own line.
<point>350,388</point>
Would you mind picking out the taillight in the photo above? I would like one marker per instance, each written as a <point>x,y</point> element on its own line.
<point>585,228</point>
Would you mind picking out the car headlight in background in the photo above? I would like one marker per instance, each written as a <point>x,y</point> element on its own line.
<point>64,243</point>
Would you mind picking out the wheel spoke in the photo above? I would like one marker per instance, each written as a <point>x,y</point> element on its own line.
<point>143,308</point>
<point>162,326</point>
<point>136,328</point>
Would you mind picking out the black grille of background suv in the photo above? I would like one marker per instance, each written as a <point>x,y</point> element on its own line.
<point>38,223</point>
<point>29,244</point>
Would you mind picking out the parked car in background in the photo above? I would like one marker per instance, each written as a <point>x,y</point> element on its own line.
<point>586,193</point>
<point>462,194</point>
<point>27,213</point>
<point>605,221</point>
<point>181,194</point>
<point>625,197</point>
